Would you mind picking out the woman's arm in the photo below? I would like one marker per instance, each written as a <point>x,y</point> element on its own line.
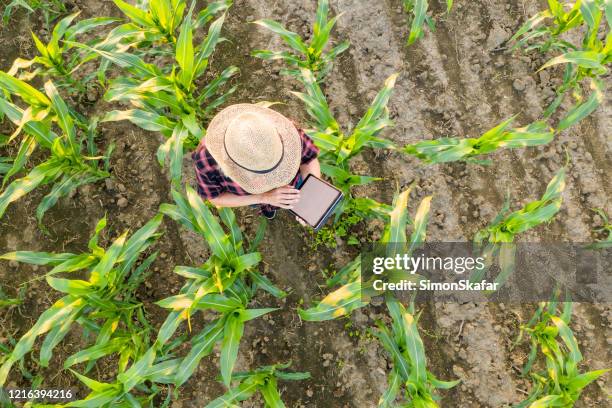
<point>284,197</point>
<point>312,167</point>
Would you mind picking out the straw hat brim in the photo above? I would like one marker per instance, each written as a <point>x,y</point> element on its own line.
<point>254,183</point>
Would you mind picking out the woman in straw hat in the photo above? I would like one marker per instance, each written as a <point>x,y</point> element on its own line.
<point>253,155</point>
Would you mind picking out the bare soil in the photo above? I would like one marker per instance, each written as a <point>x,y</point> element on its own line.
<point>452,83</point>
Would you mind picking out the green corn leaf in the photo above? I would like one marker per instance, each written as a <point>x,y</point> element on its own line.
<point>232,333</point>
<point>38,258</point>
<point>95,352</point>
<point>271,395</point>
<point>49,319</point>
<point>229,219</point>
<point>580,111</point>
<point>568,338</point>
<point>40,131</point>
<point>395,232</point>
<point>200,347</point>
<point>240,393</point>
<point>58,32</point>
<point>62,189</point>
<point>400,362</point>
<point>420,224</point>
<point>213,86</point>
<point>140,239</point>
<point>209,227</point>
<point>339,303</point>
<point>393,386</point>
<point>414,346</point>
<point>39,175</point>
<point>54,337</point>
<point>64,119</point>
<point>218,303</point>
<point>291,38</point>
<point>135,14</point>
<point>123,59</point>
<point>98,275</point>
<point>176,214</point>
<point>135,374</point>
<point>420,13</point>
<point>25,91</point>
<point>185,53</point>
<point>584,59</point>
<point>146,120</point>
<point>276,55</point>
<point>26,148</point>
<point>207,47</point>
<point>74,287</point>
<point>265,284</point>
<point>170,325</point>
<point>211,9</point>
<point>579,382</point>
<point>250,314</point>
<point>87,25</point>
<point>245,262</point>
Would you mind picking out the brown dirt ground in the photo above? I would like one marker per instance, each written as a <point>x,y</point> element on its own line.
<point>450,83</point>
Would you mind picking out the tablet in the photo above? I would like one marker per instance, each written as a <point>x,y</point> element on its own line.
<point>318,199</point>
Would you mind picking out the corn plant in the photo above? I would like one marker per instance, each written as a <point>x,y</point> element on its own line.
<point>263,380</point>
<point>55,58</point>
<point>50,8</point>
<point>104,304</point>
<point>544,32</point>
<point>221,284</point>
<point>405,347</point>
<point>418,9</point>
<point>67,166</point>
<point>445,149</point>
<point>605,229</point>
<point>496,240</point>
<point>353,294</point>
<point>507,225</point>
<point>561,383</point>
<point>155,24</point>
<point>337,148</point>
<point>306,55</point>
<point>171,99</point>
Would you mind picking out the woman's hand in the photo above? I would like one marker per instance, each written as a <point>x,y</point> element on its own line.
<point>283,197</point>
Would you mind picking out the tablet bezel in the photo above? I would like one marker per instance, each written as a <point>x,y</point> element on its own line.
<point>327,212</point>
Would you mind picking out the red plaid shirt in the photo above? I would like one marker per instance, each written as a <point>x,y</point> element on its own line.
<point>212,182</point>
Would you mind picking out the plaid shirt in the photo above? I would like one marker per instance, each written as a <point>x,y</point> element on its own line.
<point>212,182</point>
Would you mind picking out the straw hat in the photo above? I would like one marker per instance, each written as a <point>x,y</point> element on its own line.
<point>258,148</point>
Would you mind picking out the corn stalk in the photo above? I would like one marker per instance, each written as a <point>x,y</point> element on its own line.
<point>306,55</point>
<point>561,383</point>
<point>67,166</point>
<point>544,32</point>
<point>104,304</point>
